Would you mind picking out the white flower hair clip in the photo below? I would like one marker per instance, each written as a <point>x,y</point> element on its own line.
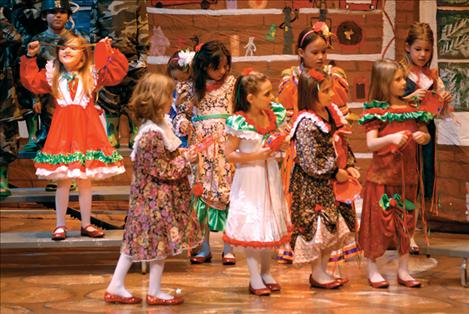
<point>185,58</point>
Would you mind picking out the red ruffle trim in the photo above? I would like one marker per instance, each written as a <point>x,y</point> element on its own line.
<point>257,244</point>
<point>272,122</point>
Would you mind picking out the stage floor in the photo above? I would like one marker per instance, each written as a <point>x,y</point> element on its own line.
<point>74,281</point>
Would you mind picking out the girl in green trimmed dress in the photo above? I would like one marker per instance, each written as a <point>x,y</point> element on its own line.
<point>211,106</point>
<point>394,129</point>
<point>77,146</point>
<point>258,218</point>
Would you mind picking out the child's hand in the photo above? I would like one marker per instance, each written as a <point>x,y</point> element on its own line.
<point>184,127</point>
<point>33,48</point>
<point>446,96</point>
<point>418,95</point>
<point>399,138</point>
<point>264,153</point>
<point>37,107</point>
<point>190,155</point>
<point>342,175</point>
<point>107,42</point>
<point>182,98</point>
<point>353,172</point>
<point>421,137</point>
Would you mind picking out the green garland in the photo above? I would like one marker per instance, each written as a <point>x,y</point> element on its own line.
<point>376,104</point>
<point>237,122</point>
<point>422,116</point>
<point>387,202</point>
<point>57,159</point>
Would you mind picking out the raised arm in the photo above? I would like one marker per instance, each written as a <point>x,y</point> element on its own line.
<point>31,77</point>
<point>115,69</point>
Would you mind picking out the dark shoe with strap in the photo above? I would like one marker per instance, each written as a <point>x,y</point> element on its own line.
<point>59,235</point>
<point>93,233</point>
<point>114,298</point>
<point>201,259</point>
<point>228,260</point>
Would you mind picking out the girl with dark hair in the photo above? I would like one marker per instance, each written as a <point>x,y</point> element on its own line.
<point>213,89</point>
<point>321,224</point>
<point>258,219</point>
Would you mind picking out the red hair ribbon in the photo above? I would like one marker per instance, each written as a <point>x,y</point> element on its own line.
<point>247,71</point>
<point>316,75</point>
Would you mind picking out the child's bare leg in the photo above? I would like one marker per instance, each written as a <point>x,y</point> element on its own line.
<point>403,271</point>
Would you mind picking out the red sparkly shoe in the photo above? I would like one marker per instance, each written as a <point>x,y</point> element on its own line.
<point>59,235</point>
<point>95,233</point>
<point>114,298</point>
<point>152,300</point>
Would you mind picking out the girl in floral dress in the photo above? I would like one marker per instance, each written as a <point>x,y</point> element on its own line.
<point>77,145</point>
<point>321,224</point>
<point>394,129</point>
<point>258,218</point>
<point>211,106</point>
<point>312,46</point>
<point>420,81</point>
<point>160,222</point>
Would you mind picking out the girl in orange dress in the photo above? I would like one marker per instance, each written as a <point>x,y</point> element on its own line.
<point>394,129</point>
<point>77,145</point>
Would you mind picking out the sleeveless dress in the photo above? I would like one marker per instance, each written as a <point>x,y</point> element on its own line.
<point>258,215</point>
<point>77,145</point>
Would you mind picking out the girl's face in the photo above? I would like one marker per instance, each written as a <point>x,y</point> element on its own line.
<point>420,52</point>
<point>71,56</point>
<point>220,72</point>
<point>315,54</point>
<point>180,76</point>
<point>264,96</point>
<point>398,84</point>
<point>325,93</point>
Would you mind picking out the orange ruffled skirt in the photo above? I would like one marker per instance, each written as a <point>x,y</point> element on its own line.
<point>77,147</point>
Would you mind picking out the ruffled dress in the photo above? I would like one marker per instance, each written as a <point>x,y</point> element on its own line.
<point>76,145</point>
<point>390,193</point>
<point>320,222</point>
<point>160,221</point>
<point>258,216</point>
<point>212,172</point>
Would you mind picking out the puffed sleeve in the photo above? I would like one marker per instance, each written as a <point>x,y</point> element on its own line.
<point>309,155</point>
<point>115,69</point>
<point>157,159</point>
<point>32,78</point>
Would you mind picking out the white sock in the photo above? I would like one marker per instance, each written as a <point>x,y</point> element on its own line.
<point>403,270</point>
<point>253,261</point>
<point>85,198</point>
<point>373,272</point>
<point>266,258</point>
<point>61,201</point>
<point>154,287</point>
<point>319,268</point>
<point>117,286</point>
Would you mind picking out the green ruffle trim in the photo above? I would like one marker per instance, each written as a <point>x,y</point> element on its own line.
<point>215,218</point>
<point>387,202</point>
<point>422,116</point>
<point>57,159</point>
<point>237,122</point>
<point>376,104</point>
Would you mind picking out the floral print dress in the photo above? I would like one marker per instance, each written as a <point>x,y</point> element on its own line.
<point>320,222</point>
<point>213,171</point>
<point>160,221</point>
